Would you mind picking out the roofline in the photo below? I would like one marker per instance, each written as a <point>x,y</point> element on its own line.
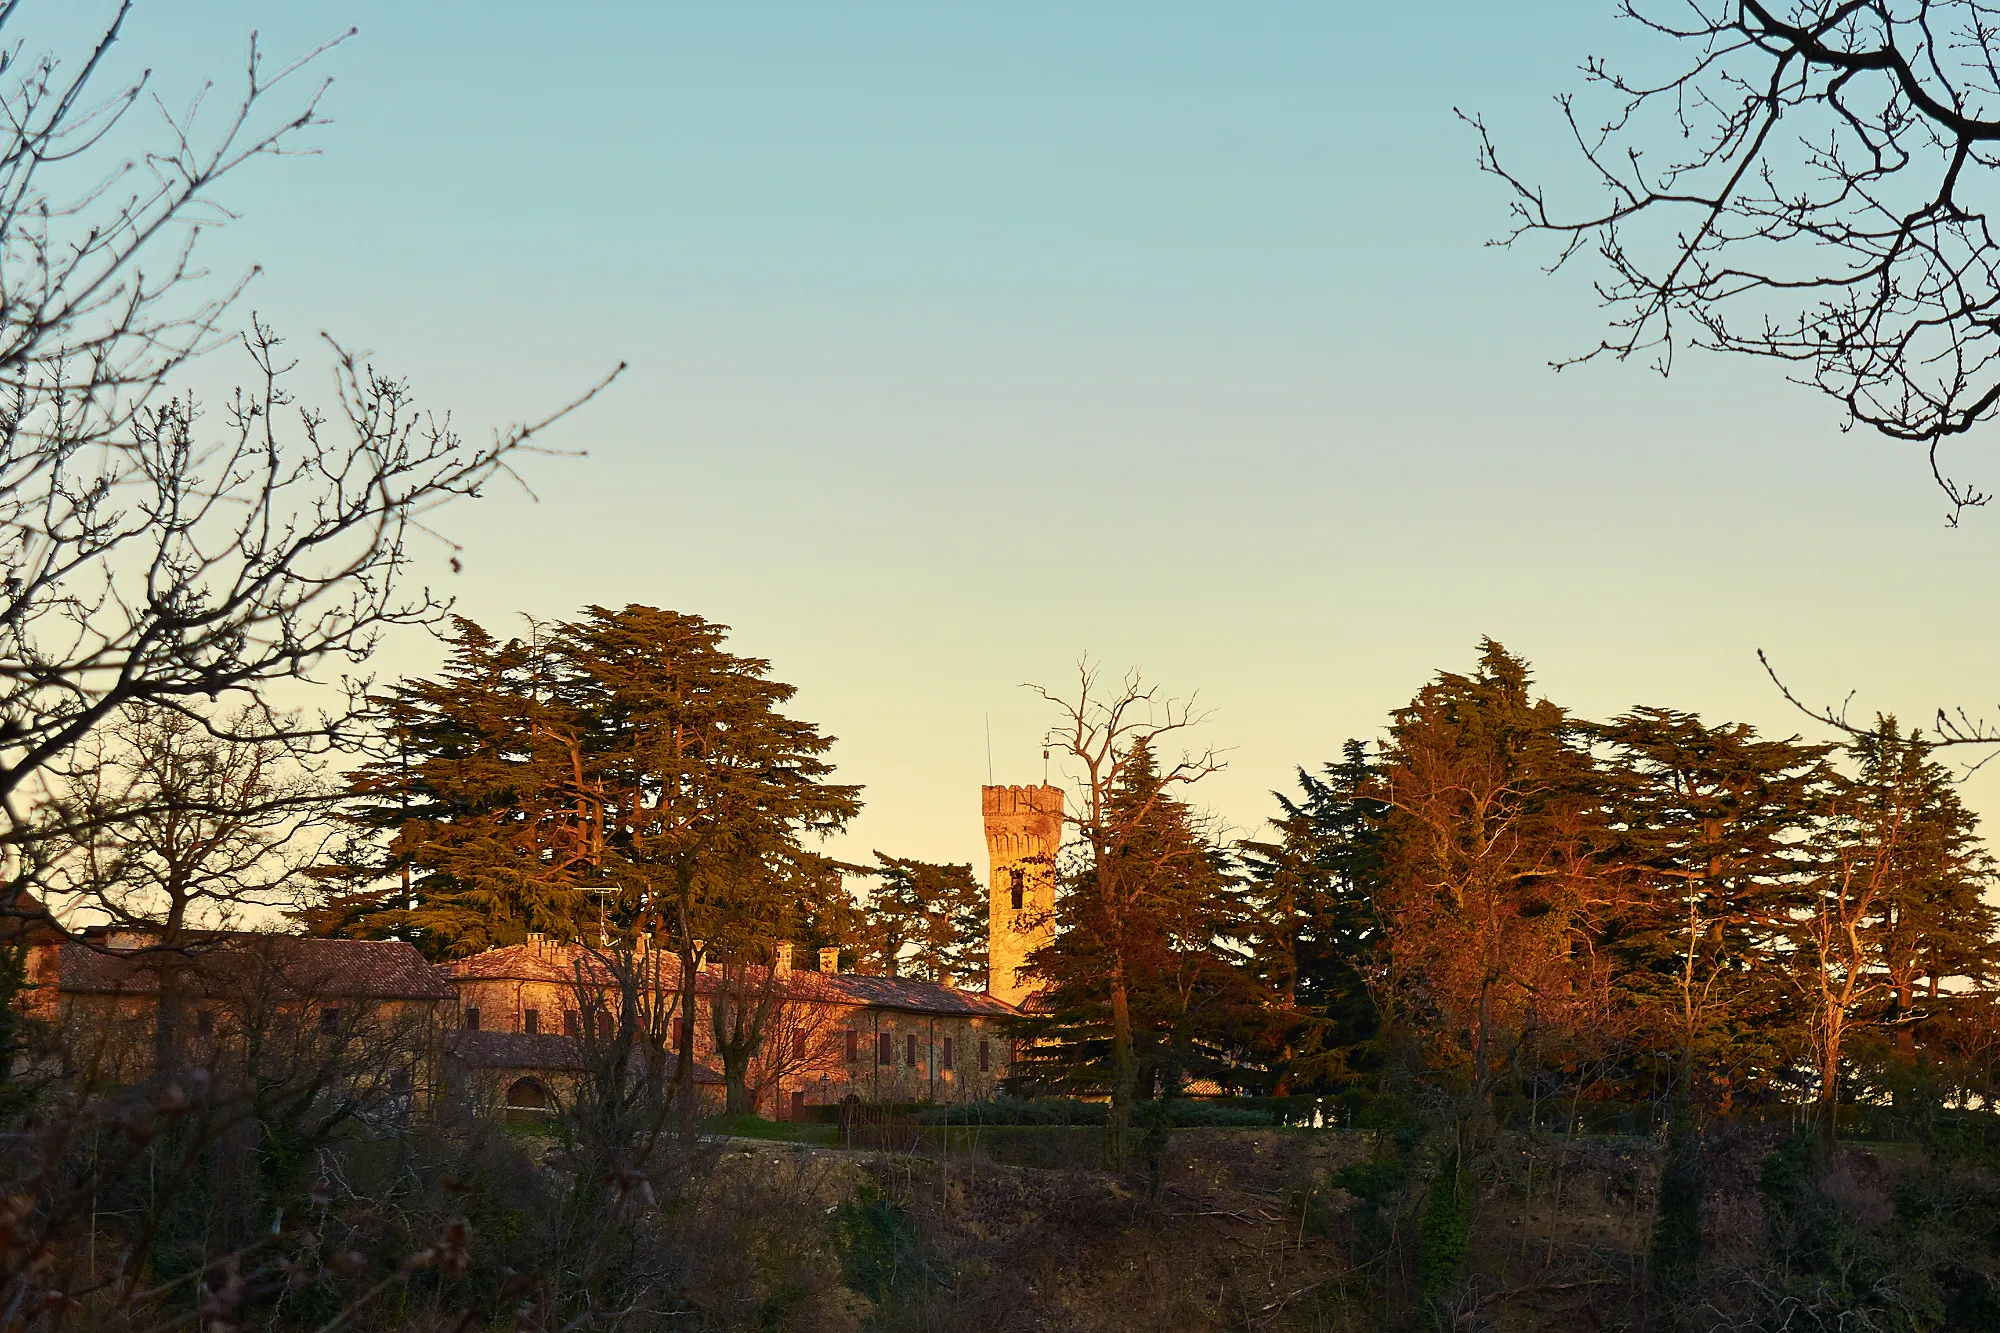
<point>1007,1010</point>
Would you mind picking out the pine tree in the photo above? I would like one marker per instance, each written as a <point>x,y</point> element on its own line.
<point>623,768</point>
<point>1714,825</point>
<point>1934,937</point>
<point>1196,1005</point>
<point>1897,904</point>
<point>927,920</point>
<point>1719,828</point>
<point>1317,888</point>
<point>477,821</point>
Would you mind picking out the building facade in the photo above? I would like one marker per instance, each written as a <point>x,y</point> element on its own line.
<point>827,1035</point>
<point>365,1015</point>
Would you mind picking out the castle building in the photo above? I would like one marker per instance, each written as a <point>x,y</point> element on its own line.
<point>516,1023</point>
<point>829,1035</point>
<point>1023,833</point>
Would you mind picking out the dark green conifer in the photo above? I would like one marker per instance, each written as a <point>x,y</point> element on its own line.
<point>1319,943</point>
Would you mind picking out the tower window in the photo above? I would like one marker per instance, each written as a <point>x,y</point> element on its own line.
<point>1015,885</point>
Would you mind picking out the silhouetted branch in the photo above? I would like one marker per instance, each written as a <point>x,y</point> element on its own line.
<point>1806,185</point>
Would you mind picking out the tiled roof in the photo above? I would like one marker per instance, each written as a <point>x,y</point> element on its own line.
<point>562,963</point>
<point>537,1050</point>
<point>226,963</point>
<point>542,962</point>
<point>903,993</point>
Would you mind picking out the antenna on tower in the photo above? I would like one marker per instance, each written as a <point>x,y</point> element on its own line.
<point>1045,765</point>
<point>989,749</point>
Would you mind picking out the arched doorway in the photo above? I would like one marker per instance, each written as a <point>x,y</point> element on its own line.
<point>527,1101</point>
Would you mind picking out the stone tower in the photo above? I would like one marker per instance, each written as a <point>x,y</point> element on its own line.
<point>1023,831</point>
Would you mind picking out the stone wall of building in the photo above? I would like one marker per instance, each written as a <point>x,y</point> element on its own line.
<point>876,1054</point>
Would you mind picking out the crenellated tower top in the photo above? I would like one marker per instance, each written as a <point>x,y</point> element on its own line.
<point>1024,827</point>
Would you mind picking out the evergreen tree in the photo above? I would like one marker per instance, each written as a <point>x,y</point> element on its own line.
<point>1933,935</point>
<point>1719,828</point>
<point>479,816</point>
<point>927,920</point>
<point>623,767</point>
<point>1196,1004</point>
<point>1896,903</point>
<point>1317,889</point>
<point>1714,826</point>
<point>1493,851</point>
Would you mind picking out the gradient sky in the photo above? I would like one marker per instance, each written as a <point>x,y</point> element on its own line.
<point>967,339</point>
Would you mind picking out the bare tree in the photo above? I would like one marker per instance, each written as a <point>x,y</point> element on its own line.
<point>1807,181</point>
<point>748,1001</point>
<point>1834,956</point>
<point>627,999</point>
<point>162,825</point>
<point>1102,734</point>
<point>803,1039</point>
<point>176,829</point>
<point>157,553</point>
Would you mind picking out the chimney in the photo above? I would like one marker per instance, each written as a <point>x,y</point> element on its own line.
<point>829,960</point>
<point>781,955</point>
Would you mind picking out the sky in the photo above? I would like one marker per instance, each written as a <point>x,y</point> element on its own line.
<point>964,341</point>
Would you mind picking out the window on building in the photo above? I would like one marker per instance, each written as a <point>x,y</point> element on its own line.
<point>910,1049</point>
<point>204,1023</point>
<point>853,1044</point>
<point>399,1081</point>
<point>947,1053</point>
<point>886,1055</point>
<point>798,1046</point>
<point>329,1020</point>
<point>985,1059</point>
<point>572,1023</point>
<point>531,1020</point>
<point>1016,884</point>
<point>680,1031</point>
<point>472,1019</point>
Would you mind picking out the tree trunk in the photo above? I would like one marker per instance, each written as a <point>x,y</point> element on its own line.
<point>1118,1130</point>
<point>1676,1249</point>
<point>736,1081</point>
<point>1828,1109</point>
<point>169,1022</point>
<point>170,1008</point>
<point>684,1045</point>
